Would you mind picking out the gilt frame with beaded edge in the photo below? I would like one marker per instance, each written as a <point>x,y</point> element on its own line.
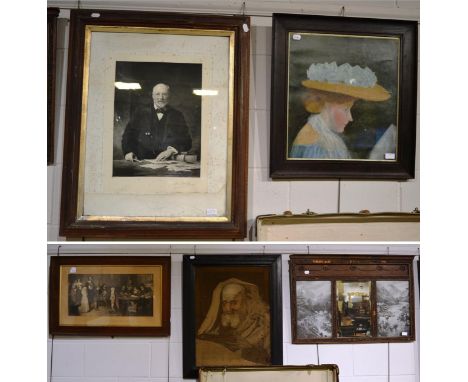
<point>211,205</point>
<point>317,61</point>
<point>351,299</point>
<point>207,342</point>
<point>131,295</point>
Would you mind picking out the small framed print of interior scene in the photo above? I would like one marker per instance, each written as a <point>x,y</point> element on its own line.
<point>340,299</point>
<point>344,97</point>
<point>128,296</point>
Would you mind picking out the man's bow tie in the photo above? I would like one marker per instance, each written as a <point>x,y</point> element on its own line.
<point>160,111</point>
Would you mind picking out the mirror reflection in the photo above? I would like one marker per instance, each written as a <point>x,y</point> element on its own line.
<point>353,308</point>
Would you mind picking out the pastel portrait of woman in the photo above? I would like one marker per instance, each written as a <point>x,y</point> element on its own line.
<point>330,92</point>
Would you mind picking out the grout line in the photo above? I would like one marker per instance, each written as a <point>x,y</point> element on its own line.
<point>339,195</point>
<point>168,356</point>
<point>388,361</point>
<point>51,357</point>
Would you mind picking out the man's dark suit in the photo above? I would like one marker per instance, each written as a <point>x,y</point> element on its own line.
<point>147,136</point>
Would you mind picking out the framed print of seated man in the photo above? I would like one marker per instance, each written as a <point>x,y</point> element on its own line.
<point>236,328</point>
<point>158,132</point>
<point>330,94</point>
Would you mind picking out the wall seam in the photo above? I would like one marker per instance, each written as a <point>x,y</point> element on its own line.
<point>51,357</point>
<point>388,361</point>
<point>339,196</point>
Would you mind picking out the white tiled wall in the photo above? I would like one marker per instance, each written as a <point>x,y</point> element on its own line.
<point>264,195</point>
<point>160,359</point>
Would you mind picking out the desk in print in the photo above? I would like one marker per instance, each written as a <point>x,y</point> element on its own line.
<point>148,167</point>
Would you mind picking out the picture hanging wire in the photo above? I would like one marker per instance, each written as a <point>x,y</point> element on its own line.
<point>245,27</point>
<point>308,250</point>
<point>58,250</point>
<point>263,249</point>
<point>342,13</point>
<point>388,250</point>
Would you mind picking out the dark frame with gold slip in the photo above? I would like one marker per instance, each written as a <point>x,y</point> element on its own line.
<point>98,204</point>
<point>379,140</point>
<point>351,299</point>
<point>124,311</point>
<point>205,342</point>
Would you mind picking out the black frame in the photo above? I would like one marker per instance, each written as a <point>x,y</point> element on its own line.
<point>404,166</point>
<point>191,263</point>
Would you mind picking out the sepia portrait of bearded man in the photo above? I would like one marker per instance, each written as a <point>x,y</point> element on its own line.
<point>236,329</point>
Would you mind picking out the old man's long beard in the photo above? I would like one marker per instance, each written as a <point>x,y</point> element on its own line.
<point>230,320</point>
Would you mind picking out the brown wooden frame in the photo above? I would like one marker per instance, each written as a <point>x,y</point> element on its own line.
<point>403,167</point>
<point>72,222</point>
<point>345,268</point>
<point>57,262</point>
<point>52,14</point>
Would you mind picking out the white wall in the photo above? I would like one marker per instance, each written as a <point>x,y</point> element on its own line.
<point>264,195</point>
<point>106,359</point>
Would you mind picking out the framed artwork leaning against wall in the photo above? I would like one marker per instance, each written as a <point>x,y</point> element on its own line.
<point>231,311</point>
<point>156,128</point>
<point>110,295</point>
<point>344,97</point>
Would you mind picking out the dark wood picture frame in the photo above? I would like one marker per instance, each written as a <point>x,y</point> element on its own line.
<point>207,276</point>
<point>64,321</point>
<point>230,224</point>
<point>290,111</point>
<point>52,14</point>
<point>350,269</point>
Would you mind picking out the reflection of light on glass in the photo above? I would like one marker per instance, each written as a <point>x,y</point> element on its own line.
<point>127,85</point>
<point>205,92</point>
